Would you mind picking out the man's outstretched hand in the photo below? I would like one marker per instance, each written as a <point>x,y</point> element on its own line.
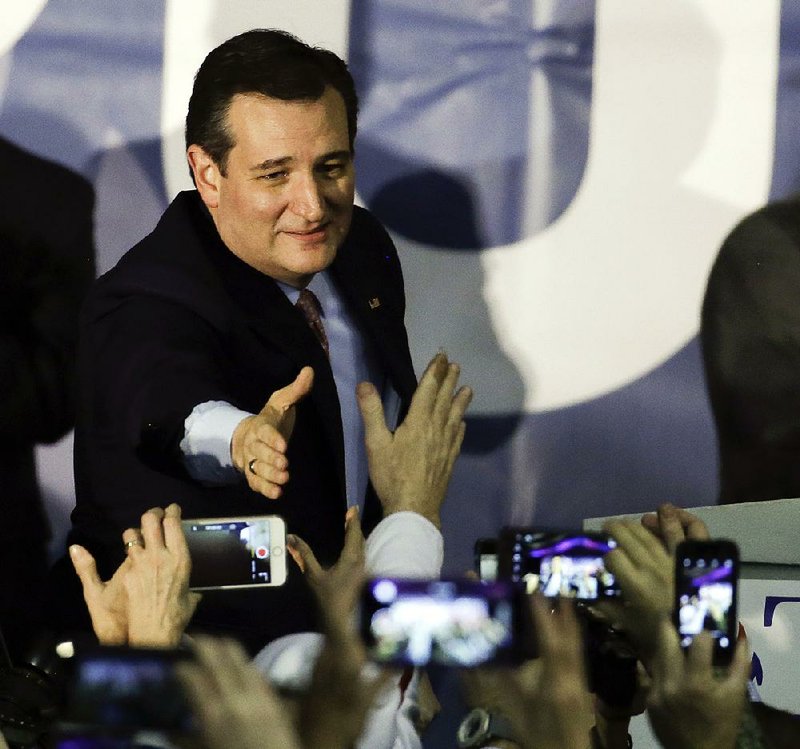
<point>411,468</point>
<point>259,443</point>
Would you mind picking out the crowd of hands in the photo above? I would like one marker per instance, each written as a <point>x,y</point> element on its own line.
<point>690,703</point>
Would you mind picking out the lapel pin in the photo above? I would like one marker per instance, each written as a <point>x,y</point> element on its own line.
<point>374,303</point>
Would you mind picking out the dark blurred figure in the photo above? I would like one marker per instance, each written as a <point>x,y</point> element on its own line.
<point>750,334</point>
<point>46,266</point>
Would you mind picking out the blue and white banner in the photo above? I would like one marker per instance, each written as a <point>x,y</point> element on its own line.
<point>558,176</point>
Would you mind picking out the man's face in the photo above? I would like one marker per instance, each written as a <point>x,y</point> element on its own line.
<point>285,203</point>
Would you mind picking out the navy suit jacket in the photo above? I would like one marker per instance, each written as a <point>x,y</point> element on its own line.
<point>181,320</point>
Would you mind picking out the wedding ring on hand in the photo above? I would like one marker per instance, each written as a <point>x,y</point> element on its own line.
<point>251,464</point>
<point>135,542</point>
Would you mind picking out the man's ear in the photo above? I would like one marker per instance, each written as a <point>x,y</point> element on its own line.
<point>206,173</point>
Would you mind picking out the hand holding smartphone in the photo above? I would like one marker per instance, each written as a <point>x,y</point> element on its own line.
<point>449,622</point>
<point>706,589</point>
<point>236,552</point>
<point>558,563</point>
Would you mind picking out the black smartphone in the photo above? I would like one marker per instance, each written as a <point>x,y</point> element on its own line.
<point>449,622</point>
<point>706,590</point>
<point>122,692</point>
<point>558,563</point>
<point>486,559</point>
<point>236,552</point>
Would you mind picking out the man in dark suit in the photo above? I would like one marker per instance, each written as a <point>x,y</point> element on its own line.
<point>750,334</point>
<point>46,267</point>
<point>202,382</point>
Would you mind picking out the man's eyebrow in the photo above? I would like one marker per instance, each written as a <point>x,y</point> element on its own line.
<point>344,154</point>
<point>270,164</point>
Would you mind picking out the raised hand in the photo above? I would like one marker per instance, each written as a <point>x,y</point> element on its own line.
<point>233,703</point>
<point>411,468</point>
<point>691,705</point>
<point>160,603</point>
<point>259,442</point>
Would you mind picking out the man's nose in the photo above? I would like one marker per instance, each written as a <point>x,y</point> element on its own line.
<point>307,200</point>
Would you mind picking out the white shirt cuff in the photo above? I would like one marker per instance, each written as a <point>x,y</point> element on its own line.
<point>206,443</point>
<point>405,544</point>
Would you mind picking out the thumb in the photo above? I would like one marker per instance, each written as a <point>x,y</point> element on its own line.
<point>303,556</point>
<point>353,550</point>
<point>86,569</point>
<point>282,400</point>
<point>371,407</point>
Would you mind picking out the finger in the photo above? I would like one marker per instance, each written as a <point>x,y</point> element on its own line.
<point>455,448</point>
<point>132,538</point>
<point>267,454</point>
<point>444,395</point>
<point>376,433</point>
<point>282,400</point>
<point>266,488</point>
<point>424,398</point>
<point>267,434</point>
<point>671,529</point>
<point>700,654</point>
<point>741,663</point>
<point>353,551</point>
<point>459,404</point>
<point>86,569</point>
<point>668,663</point>
<point>268,464</point>
<point>174,537</point>
<point>153,529</point>
<point>696,529</point>
<point>638,543</point>
<point>302,554</point>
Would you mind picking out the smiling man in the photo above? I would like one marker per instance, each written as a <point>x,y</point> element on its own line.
<point>220,357</point>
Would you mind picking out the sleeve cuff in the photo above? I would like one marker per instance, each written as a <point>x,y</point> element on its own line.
<point>405,544</point>
<point>206,444</point>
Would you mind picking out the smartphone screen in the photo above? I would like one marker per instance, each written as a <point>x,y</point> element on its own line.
<point>706,581</point>
<point>486,559</point>
<point>236,552</point>
<point>449,622</point>
<point>125,691</point>
<point>565,564</point>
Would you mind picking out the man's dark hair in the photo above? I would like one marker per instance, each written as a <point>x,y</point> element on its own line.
<point>262,61</point>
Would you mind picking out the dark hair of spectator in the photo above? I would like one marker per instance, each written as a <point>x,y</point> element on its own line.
<point>262,61</point>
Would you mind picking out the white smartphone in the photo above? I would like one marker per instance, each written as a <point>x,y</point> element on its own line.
<point>236,552</point>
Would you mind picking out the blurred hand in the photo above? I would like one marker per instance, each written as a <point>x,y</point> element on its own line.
<point>259,442</point>
<point>547,699</point>
<point>160,603</point>
<point>673,524</point>
<point>233,703</point>
<point>690,707</point>
<point>107,602</point>
<point>335,717</point>
<point>411,468</point>
<point>645,574</point>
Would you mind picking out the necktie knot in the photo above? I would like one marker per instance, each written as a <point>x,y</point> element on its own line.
<point>309,305</point>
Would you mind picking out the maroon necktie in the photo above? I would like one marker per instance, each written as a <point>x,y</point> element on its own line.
<point>309,305</point>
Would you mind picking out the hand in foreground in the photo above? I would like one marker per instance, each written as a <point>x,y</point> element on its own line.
<point>673,524</point>
<point>147,602</point>
<point>335,718</point>
<point>411,468</point>
<point>233,703</point>
<point>690,707</point>
<point>644,571</point>
<point>546,699</point>
<point>259,442</point>
<point>160,603</point>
